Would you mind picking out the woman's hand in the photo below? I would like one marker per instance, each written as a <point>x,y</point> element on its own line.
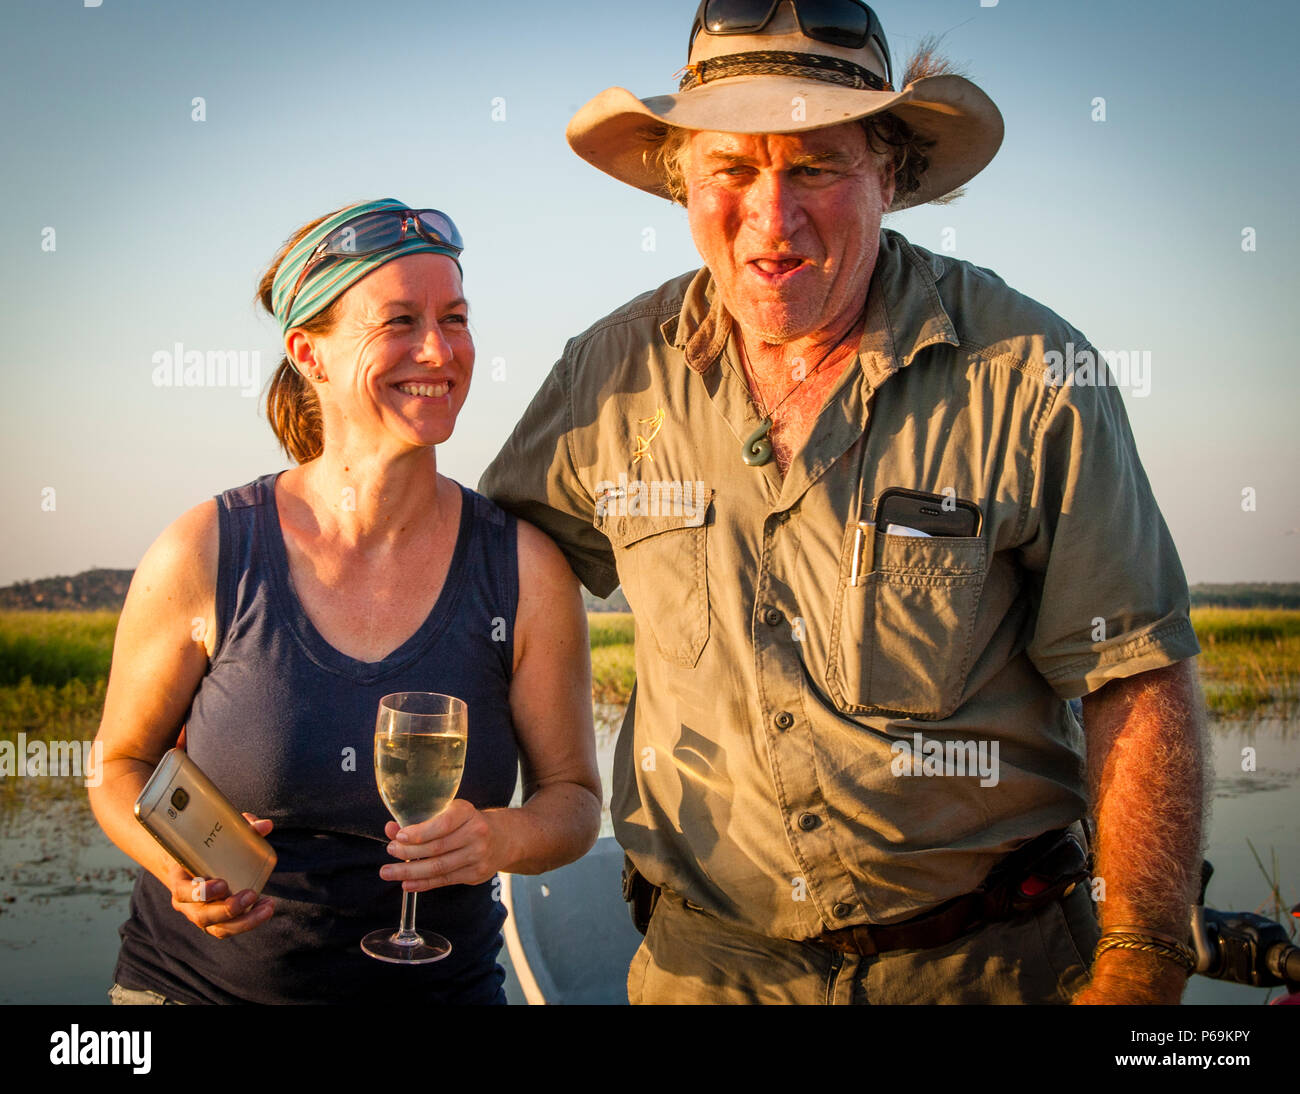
<point>209,904</point>
<point>460,846</point>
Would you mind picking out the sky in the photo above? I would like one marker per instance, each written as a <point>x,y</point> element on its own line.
<point>155,154</point>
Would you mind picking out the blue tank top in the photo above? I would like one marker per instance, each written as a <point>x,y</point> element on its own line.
<point>283,724</point>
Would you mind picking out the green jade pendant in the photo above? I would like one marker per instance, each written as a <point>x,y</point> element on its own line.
<point>756,449</point>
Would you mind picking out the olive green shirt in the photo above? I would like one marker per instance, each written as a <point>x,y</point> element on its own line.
<point>769,769</point>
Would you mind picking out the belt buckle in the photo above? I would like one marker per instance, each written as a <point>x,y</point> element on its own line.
<point>843,940</point>
<point>863,941</point>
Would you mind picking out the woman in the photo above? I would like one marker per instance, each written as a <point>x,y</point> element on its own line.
<point>270,622</point>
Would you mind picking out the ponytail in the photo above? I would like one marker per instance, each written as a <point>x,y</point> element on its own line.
<point>292,407</point>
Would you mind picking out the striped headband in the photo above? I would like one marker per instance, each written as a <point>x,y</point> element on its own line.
<point>332,275</point>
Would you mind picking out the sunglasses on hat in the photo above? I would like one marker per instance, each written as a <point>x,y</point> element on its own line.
<point>378,231</point>
<point>847,23</point>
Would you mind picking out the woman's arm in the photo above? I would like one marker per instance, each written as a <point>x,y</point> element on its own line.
<point>160,654</point>
<point>550,703</point>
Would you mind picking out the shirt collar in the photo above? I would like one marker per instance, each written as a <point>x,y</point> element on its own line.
<point>701,329</point>
<point>904,313</point>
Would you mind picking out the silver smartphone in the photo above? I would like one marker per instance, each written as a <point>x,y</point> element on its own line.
<point>199,828</point>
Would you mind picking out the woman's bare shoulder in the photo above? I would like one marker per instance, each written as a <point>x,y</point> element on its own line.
<point>181,564</point>
<point>540,560</point>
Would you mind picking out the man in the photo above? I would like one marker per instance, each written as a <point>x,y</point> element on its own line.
<point>876,527</point>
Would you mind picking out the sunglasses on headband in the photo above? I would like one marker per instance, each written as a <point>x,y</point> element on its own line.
<point>847,23</point>
<point>378,231</point>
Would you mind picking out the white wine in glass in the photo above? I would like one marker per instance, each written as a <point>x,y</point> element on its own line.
<point>419,759</point>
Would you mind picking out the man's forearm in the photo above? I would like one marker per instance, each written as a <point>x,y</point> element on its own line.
<point>1147,765</point>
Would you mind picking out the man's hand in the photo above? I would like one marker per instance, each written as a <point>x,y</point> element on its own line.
<point>1133,978</point>
<point>1146,769</point>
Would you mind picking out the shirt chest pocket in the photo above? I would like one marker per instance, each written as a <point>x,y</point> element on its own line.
<point>662,567</point>
<point>901,639</point>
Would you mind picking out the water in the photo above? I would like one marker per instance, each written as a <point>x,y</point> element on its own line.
<point>64,889</point>
<point>1259,807</point>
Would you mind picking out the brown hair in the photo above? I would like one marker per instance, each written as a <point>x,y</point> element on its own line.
<point>291,403</point>
<point>887,135</point>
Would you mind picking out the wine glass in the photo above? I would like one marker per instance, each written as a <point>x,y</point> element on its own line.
<point>419,758</point>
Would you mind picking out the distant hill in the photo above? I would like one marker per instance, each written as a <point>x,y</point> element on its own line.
<point>92,591</point>
<point>1247,594</point>
<point>617,602</point>
<point>105,590</point>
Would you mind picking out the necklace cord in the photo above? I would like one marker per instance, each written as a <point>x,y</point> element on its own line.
<point>751,375</point>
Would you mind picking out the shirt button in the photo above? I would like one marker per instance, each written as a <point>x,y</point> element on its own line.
<point>842,910</point>
<point>772,617</point>
<point>808,821</point>
<point>783,720</point>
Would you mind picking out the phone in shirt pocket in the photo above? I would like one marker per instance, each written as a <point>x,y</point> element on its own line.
<point>933,514</point>
<point>903,624</point>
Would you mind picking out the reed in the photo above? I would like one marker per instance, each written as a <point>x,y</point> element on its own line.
<point>1250,661</point>
<point>55,647</point>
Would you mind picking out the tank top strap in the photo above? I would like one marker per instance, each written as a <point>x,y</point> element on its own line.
<point>242,556</point>
<point>494,563</point>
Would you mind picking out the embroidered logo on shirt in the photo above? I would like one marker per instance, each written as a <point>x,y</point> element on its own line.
<point>656,423</point>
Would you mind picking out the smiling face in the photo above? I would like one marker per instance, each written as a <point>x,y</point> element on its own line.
<point>397,362</point>
<point>788,224</point>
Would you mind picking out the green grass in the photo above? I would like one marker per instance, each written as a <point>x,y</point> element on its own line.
<point>53,664</point>
<point>54,671</point>
<point>73,709</point>
<point>610,628</point>
<point>1229,625</point>
<point>55,647</point>
<point>613,668</point>
<point>42,654</point>
<point>64,712</point>
<point>1250,660</point>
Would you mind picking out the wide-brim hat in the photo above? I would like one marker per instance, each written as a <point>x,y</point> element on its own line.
<point>779,81</point>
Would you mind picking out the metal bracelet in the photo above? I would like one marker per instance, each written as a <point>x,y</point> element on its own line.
<point>1177,952</point>
<point>1147,932</point>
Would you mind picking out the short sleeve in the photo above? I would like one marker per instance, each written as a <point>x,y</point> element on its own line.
<point>533,477</point>
<point>1112,599</point>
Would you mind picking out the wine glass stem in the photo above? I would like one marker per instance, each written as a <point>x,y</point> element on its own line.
<point>406,932</point>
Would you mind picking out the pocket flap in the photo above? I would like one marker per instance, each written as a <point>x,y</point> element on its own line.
<point>623,528</point>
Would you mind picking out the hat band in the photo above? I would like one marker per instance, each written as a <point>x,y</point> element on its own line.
<point>775,62</point>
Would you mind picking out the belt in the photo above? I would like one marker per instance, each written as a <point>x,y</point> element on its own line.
<point>1043,871</point>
